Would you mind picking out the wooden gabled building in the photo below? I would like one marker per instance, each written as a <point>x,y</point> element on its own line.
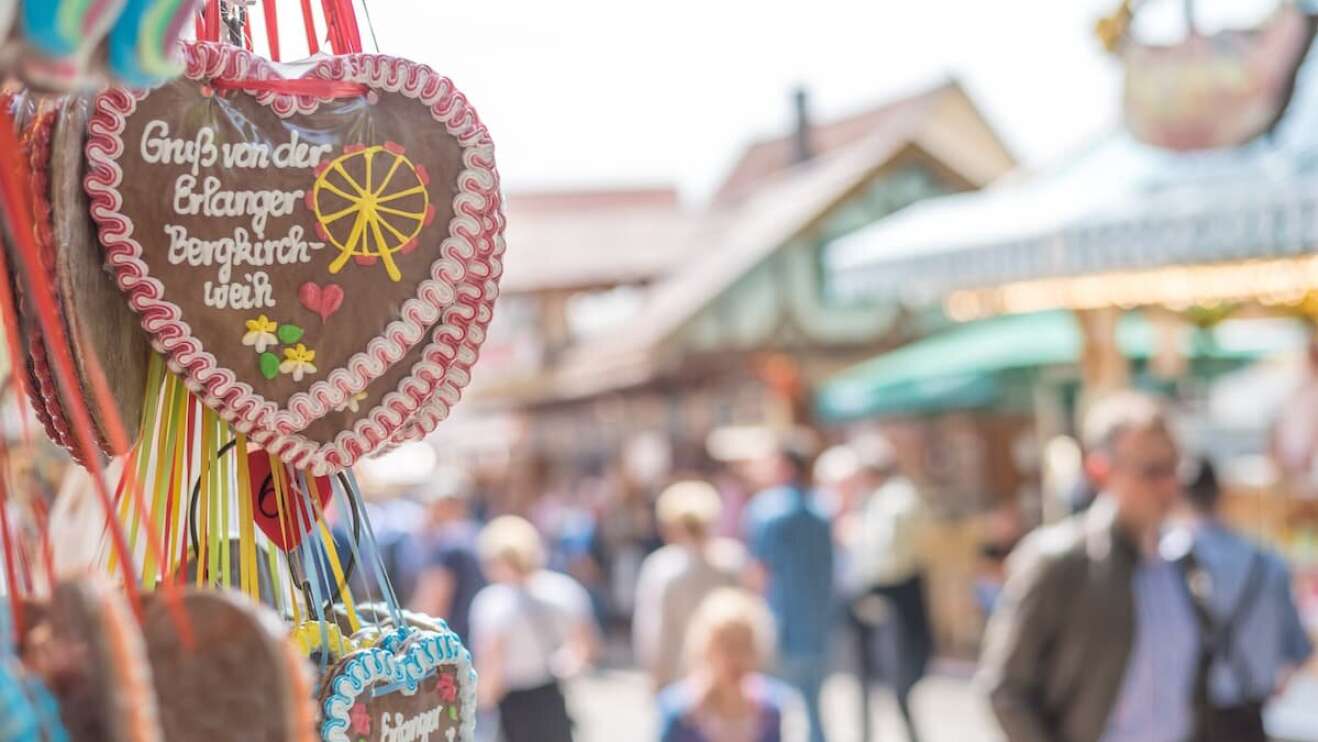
<point>720,314</point>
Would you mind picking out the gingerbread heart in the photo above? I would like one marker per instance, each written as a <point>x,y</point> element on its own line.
<point>414,684</point>
<point>242,216</point>
<point>91,652</point>
<point>240,679</point>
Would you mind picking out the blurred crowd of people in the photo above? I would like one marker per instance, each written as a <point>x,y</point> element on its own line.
<point>730,589</point>
<point>1141,617</point>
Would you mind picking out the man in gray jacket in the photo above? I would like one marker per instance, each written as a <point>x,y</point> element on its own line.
<point>1095,638</point>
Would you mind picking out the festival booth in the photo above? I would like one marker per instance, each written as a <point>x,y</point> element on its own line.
<point>227,279</point>
<point>1174,251</point>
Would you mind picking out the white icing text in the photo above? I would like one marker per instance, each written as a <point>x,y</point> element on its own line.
<point>213,201</point>
<point>418,728</point>
<point>226,252</point>
<point>205,198</point>
<point>159,148</point>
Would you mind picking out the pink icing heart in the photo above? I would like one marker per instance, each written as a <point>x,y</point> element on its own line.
<point>324,301</point>
<point>331,298</point>
<point>309,295</point>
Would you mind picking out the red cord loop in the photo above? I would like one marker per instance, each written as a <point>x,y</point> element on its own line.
<point>311,87</point>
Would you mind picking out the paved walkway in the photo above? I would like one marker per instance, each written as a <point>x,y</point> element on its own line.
<point>615,706</point>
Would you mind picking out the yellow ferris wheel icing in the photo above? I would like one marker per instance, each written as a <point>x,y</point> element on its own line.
<point>371,203</point>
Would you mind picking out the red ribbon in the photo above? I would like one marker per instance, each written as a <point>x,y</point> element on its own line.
<point>352,34</point>
<point>247,31</point>
<point>271,28</point>
<point>337,44</point>
<point>212,24</point>
<point>309,22</point>
<point>17,209</point>
<point>305,86</point>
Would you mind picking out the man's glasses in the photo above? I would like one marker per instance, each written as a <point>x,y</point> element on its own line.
<point>1155,471</point>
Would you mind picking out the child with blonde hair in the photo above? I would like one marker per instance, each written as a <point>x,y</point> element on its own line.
<point>724,698</point>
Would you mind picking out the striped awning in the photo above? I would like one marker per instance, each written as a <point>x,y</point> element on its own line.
<point>1119,206</point>
<point>1221,224</point>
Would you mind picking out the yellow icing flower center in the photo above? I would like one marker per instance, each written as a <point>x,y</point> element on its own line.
<point>262,324</point>
<point>300,354</point>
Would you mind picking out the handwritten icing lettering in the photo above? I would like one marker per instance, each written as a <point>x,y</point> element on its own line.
<point>201,150</point>
<point>253,293</point>
<point>416,729</point>
<point>298,154</point>
<point>215,201</point>
<point>158,148</point>
<point>198,195</point>
<point>239,249</point>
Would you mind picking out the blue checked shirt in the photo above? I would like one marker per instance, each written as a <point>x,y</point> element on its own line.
<point>1156,696</point>
<point>1269,636</point>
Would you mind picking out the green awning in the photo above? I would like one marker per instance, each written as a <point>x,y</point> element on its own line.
<point>964,367</point>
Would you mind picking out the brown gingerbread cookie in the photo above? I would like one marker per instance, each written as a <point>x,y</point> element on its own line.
<point>379,615</point>
<point>35,137</point>
<point>38,380</point>
<point>412,684</point>
<point>239,681</point>
<point>88,650</point>
<point>32,384</point>
<point>103,331</point>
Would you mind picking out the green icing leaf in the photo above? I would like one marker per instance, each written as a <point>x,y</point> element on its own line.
<point>288,333</point>
<point>270,364</point>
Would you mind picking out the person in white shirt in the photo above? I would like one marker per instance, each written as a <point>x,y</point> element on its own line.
<point>531,629</point>
<point>884,579</point>
<point>676,579</point>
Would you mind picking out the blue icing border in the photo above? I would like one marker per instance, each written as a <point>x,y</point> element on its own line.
<point>402,659</point>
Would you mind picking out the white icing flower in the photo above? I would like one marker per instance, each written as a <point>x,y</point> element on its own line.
<point>353,403</point>
<point>298,361</point>
<point>261,333</point>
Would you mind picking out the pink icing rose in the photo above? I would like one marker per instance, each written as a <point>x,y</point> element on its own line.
<point>361,721</point>
<point>448,688</point>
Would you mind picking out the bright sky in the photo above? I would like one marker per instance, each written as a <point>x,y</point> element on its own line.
<point>601,92</point>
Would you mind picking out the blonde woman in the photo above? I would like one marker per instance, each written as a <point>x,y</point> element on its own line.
<point>724,698</point>
<point>675,580</point>
<point>531,629</point>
